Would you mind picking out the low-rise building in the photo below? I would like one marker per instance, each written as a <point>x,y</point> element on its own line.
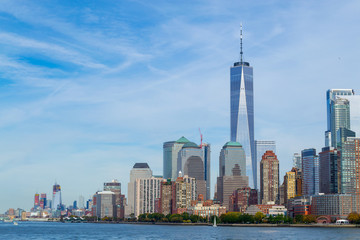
<point>333,205</point>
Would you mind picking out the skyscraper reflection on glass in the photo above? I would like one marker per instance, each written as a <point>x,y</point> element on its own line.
<point>242,114</point>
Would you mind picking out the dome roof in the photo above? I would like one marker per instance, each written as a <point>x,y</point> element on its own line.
<point>190,145</point>
<point>232,144</point>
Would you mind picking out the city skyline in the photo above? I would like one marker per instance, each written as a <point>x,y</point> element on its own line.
<point>88,90</point>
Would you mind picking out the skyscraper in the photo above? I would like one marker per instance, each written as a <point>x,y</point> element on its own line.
<point>115,187</point>
<point>329,161</point>
<point>350,170</point>
<point>232,167</point>
<point>331,96</point>
<point>354,102</point>
<point>170,156</point>
<point>140,170</point>
<point>269,177</point>
<point>260,148</point>
<point>242,111</point>
<point>297,161</point>
<point>310,172</point>
<point>56,202</point>
<point>36,200</point>
<point>194,161</point>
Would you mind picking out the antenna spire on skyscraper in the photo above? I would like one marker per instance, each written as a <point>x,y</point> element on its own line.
<point>241,52</point>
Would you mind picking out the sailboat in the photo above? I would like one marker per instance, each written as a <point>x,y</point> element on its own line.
<point>15,223</point>
<point>214,225</point>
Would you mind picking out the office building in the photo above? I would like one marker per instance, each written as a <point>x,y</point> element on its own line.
<point>269,177</point>
<point>81,202</point>
<point>105,204</point>
<point>297,161</point>
<point>354,104</point>
<point>334,121</point>
<point>242,198</point>
<point>36,200</point>
<point>242,112</point>
<point>194,161</point>
<point>232,170</point>
<point>43,200</point>
<point>115,187</point>
<point>139,170</point>
<point>170,157</point>
<point>56,201</point>
<point>260,149</point>
<point>310,172</point>
<point>329,160</point>
<point>289,186</point>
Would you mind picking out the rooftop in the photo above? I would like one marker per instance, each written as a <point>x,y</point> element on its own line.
<point>182,140</point>
<point>141,165</point>
<point>232,144</point>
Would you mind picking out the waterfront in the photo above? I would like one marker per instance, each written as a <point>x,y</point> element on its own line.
<point>45,230</point>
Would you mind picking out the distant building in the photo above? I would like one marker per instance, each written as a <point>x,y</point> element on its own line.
<point>310,172</point>
<point>115,187</point>
<point>105,204</point>
<point>269,177</point>
<point>335,114</point>
<point>36,200</point>
<point>139,170</point>
<point>56,202</point>
<point>289,186</point>
<point>354,103</point>
<point>147,190</point>
<point>297,161</point>
<point>81,202</point>
<point>260,149</point>
<point>43,200</point>
<point>329,160</point>
<point>166,197</point>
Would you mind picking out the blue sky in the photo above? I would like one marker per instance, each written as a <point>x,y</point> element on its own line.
<point>88,88</point>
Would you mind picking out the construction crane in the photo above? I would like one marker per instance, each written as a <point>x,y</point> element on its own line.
<point>201,138</point>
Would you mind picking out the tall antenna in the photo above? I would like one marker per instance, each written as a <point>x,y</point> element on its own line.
<point>241,52</point>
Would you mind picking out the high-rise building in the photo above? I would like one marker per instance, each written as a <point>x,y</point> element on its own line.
<point>242,112</point>
<point>170,157</point>
<point>331,95</point>
<point>36,200</point>
<point>194,161</point>
<point>350,170</point>
<point>166,197</point>
<point>81,202</point>
<point>310,172</point>
<point>269,177</point>
<point>139,170</point>
<point>43,200</point>
<point>56,201</point>
<point>354,103</point>
<point>147,190</point>
<point>183,189</point>
<point>297,161</point>
<point>242,198</point>
<point>329,160</point>
<point>115,187</point>
<point>289,186</point>
<point>174,154</point>
<point>232,171</point>
<point>105,204</point>
<point>260,148</point>
<point>340,117</point>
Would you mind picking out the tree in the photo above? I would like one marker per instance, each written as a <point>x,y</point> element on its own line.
<point>353,217</point>
<point>259,216</point>
<point>309,218</point>
<point>299,218</point>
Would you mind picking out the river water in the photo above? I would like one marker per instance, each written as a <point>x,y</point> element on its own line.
<point>39,230</point>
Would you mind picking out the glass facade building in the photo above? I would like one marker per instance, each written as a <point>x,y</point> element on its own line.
<point>310,172</point>
<point>331,95</point>
<point>354,102</point>
<point>242,114</point>
<point>260,149</point>
<point>57,204</point>
<point>232,155</point>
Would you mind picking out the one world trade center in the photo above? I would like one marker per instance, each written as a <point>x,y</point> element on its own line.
<point>242,111</point>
